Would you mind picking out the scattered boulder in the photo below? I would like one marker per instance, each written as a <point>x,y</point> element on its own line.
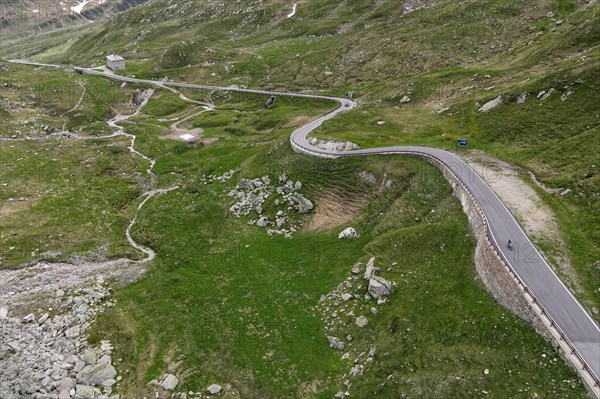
<point>214,389</point>
<point>522,98</point>
<point>44,318</point>
<point>335,342</point>
<point>379,287</point>
<point>262,222</point>
<point>362,321</point>
<point>348,232</point>
<point>491,104</point>
<point>304,205</point>
<point>542,95</point>
<point>169,382</point>
<point>356,370</point>
<point>280,222</point>
<point>356,269</point>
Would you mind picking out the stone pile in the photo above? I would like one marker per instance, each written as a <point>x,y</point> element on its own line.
<point>333,145</point>
<point>252,196</point>
<point>47,356</point>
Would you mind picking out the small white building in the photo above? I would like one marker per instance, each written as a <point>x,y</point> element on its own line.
<point>115,62</point>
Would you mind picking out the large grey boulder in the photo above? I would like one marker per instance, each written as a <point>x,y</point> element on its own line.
<point>379,287</point>
<point>262,222</point>
<point>169,382</point>
<point>97,374</point>
<point>491,104</point>
<point>348,232</point>
<point>214,389</point>
<point>304,205</point>
<point>362,321</point>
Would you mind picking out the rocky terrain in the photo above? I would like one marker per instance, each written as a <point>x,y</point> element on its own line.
<point>47,355</point>
<point>252,196</point>
<point>362,294</point>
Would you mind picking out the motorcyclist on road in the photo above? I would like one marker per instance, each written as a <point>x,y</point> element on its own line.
<point>509,244</point>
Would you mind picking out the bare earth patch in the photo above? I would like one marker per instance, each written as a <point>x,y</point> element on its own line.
<point>536,218</point>
<point>8,208</point>
<point>334,209</point>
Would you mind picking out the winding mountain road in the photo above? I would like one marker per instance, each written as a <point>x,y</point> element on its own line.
<point>574,329</point>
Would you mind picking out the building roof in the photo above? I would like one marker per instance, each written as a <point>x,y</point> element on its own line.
<point>114,57</point>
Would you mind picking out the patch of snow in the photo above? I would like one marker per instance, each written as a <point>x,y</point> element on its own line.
<point>79,7</point>
<point>187,137</point>
<point>293,11</point>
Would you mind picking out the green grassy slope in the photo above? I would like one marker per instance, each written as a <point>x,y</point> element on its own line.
<point>223,302</point>
<point>226,303</point>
